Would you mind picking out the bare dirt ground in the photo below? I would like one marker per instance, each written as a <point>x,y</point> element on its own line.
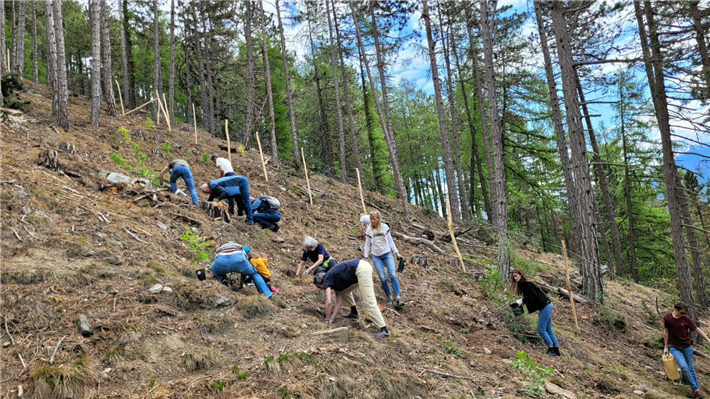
<point>70,247</point>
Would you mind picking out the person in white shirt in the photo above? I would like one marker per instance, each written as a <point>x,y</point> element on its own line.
<point>379,243</point>
<point>225,167</point>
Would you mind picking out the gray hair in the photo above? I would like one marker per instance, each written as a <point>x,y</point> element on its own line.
<point>310,242</point>
<point>318,278</point>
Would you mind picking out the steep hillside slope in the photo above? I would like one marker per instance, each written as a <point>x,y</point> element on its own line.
<point>75,244</point>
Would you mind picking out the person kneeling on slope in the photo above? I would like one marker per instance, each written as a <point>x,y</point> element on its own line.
<point>261,266</point>
<point>231,258</point>
<point>317,254</point>
<point>265,212</point>
<point>340,281</point>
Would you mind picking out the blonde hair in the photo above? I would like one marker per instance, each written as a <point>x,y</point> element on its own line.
<point>376,214</point>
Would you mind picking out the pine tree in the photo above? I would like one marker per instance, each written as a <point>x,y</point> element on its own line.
<point>19,64</point>
<point>289,95</point>
<point>107,61</point>
<point>61,76</point>
<point>95,18</point>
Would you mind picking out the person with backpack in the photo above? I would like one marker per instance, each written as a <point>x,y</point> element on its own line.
<point>340,281</point>
<point>231,258</point>
<point>231,188</point>
<point>317,254</point>
<point>379,244</point>
<point>265,212</point>
<point>676,336</point>
<point>224,166</point>
<point>262,267</point>
<point>535,299</point>
<point>180,169</point>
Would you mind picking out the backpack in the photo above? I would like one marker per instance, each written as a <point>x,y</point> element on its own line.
<point>273,202</point>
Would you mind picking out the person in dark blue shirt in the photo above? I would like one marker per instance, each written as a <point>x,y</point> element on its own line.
<point>317,254</point>
<point>341,280</point>
<point>265,215</point>
<point>231,188</point>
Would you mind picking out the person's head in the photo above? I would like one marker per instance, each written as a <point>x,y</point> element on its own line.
<point>310,243</point>
<point>318,280</point>
<point>247,252</point>
<point>205,188</point>
<point>680,309</point>
<point>376,220</point>
<point>214,158</point>
<point>517,276</point>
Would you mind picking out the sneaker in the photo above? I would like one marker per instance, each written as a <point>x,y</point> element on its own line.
<point>381,334</point>
<point>276,228</point>
<point>274,290</point>
<point>695,394</point>
<point>400,302</point>
<point>551,351</point>
<point>557,350</point>
<point>390,301</point>
<point>351,316</point>
<point>249,222</point>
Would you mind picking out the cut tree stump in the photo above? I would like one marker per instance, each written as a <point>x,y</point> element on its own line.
<point>66,147</point>
<point>224,148</point>
<point>216,210</point>
<point>422,261</point>
<point>49,159</point>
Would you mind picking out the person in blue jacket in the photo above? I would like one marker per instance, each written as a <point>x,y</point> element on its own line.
<point>179,169</point>
<point>231,188</point>
<point>265,215</point>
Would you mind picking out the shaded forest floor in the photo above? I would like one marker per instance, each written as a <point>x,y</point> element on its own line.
<point>70,247</point>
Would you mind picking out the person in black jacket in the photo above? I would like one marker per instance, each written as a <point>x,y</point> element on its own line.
<point>534,299</point>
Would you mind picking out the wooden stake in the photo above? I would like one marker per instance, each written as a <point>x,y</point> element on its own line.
<point>308,182</point>
<point>120,97</point>
<point>194,121</point>
<point>157,114</point>
<point>359,187</point>
<point>569,285</point>
<point>165,112</point>
<point>136,109</point>
<point>261,154</point>
<point>229,143</point>
<point>453,236</point>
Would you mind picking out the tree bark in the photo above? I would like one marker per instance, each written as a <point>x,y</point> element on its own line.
<point>627,193</point>
<point>188,80</point>
<point>157,81</point>
<point>95,19</point>
<point>107,61</point>
<point>129,82</point>
<point>212,123</point>
<point>200,70</point>
<point>327,144</point>
<point>699,279</point>
<point>334,64</point>
<point>448,162</point>
<point>702,46</point>
<point>588,246</point>
<point>171,78</point>
<point>368,121</point>
<point>385,119</point>
<point>346,93</point>
<point>3,50</point>
<point>61,86</point>
<point>19,64</point>
<point>498,187</point>
<point>289,95</point>
<point>269,92</point>
<point>35,69</point>
<point>51,55</point>
<point>251,88</point>
<point>656,80</point>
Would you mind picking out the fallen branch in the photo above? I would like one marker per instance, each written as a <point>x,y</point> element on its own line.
<point>333,331</point>
<point>419,241</point>
<point>134,110</point>
<point>562,291</point>
<point>17,235</point>
<point>56,348</point>
<point>148,195</point>
<point>189,219</point>
<point>30,233</point>
<point>8,332</point>
<point>134,236</point>
<point>446,374</point>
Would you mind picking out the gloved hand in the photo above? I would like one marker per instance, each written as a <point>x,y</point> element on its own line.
<point>329,321</point>
<point>666,351</point>
<point>519,302</point>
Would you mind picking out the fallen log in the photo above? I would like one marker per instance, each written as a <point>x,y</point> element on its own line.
<point>419,241</point>
<point>345,330</point>
<point>225,148</point>
<point>562,291</point>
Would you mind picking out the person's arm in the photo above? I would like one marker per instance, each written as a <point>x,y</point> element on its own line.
<point>300,267</point>
<point>363,228</point>
<point>162,173</point>
<point>255,206</point>
<point>338,304</point>
<point>221,171</point>
<point>328,303</point>
<point>220,193</point>
<point>390,242</point>
<point>367,246</point>
<point>316,264</point>
<point>702,334</point>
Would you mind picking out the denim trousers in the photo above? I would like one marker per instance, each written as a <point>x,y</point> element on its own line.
<point>684,358</point>
<point>238,263</point>
<point>544,326</point>
<point>382,261</point>
<point>266,219</point>
<point>184,173</point>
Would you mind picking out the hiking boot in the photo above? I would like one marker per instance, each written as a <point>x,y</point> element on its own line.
<point>381,334</point>
<point>351,315</point>
<point>390,301</point>
<point>249,222</point>
<point>240,213</point>
<point>695,394</point>
<point>557,350</point>
<point>551,352</point>
<point>400,302</point>
<point>275,228</point>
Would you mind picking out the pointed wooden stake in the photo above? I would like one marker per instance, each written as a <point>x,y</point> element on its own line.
<point>308,182</point>
<point>194,121</point>
<point>165,112</point>
<point>229,143</point>
<point>453,236</point>
<point>569,285</point>
<point>120,97</point>
<point>261,154</point>
<point>359,187</point>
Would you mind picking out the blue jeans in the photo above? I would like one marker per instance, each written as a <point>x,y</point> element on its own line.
<point>244,190</point>
<point>238,263</point>
<point>684,358</point>
<point>230,174</point>
<point>544,326</point>
<point>380,263</point>
<point>183,172</point>
<point>266,219</point>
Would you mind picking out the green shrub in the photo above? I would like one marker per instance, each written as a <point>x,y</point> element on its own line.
<point>206,157</point>
<point>451,349</point>
<point>242,376</point>
<point>201,249</point>
<point>118,160</point>
<point>148,124</point>
<point>218,386</point>
<point>167,147</point>
<point>535,373</point>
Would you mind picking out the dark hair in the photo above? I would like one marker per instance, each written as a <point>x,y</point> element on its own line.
<point>214,156</point>
<point>680,306</point>
<point>318,278</point>
<point>523,277</point>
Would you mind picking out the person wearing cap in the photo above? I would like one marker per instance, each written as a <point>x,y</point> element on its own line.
<point>316,253</point>
<point>262,267</point>
<point>231,188</point>
<point>340,281</point>
<point>231,258</point>
<point>180,169</point>
<point>224,166</point>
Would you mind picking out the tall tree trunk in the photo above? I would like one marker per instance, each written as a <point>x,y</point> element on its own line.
<point>693,244</point>
<point>700,39</point>
<point>460,176</point>
<point>588,246</point>
<point>346,93</point>
<point>656,80</point>
<point>602,234</point>
<point>171,78</point>
<point>627,193</point>
<point>51,55</point>
<point>129,82</point>
<point>385,120</point>
<point>289,95</point>
<point>368,121</point>
<point>327,144</point>
<point>448,162</point>
<point>124,55</point>
<point>211,122</point>
<point>19,65</point>
<point>498,187</point>
<point>61,84</point>
<point>107,64</point>
<point>441,197</point>
<point>35,69</point>
<point>95,19</point>
<point>201,71</point>
<point>334,64</point>
<point>188,80</point>
<point>251,84</point>
<point>3,51</point>
<point>13,36</point>
<point>269,92</point>
<point>157,81</point>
